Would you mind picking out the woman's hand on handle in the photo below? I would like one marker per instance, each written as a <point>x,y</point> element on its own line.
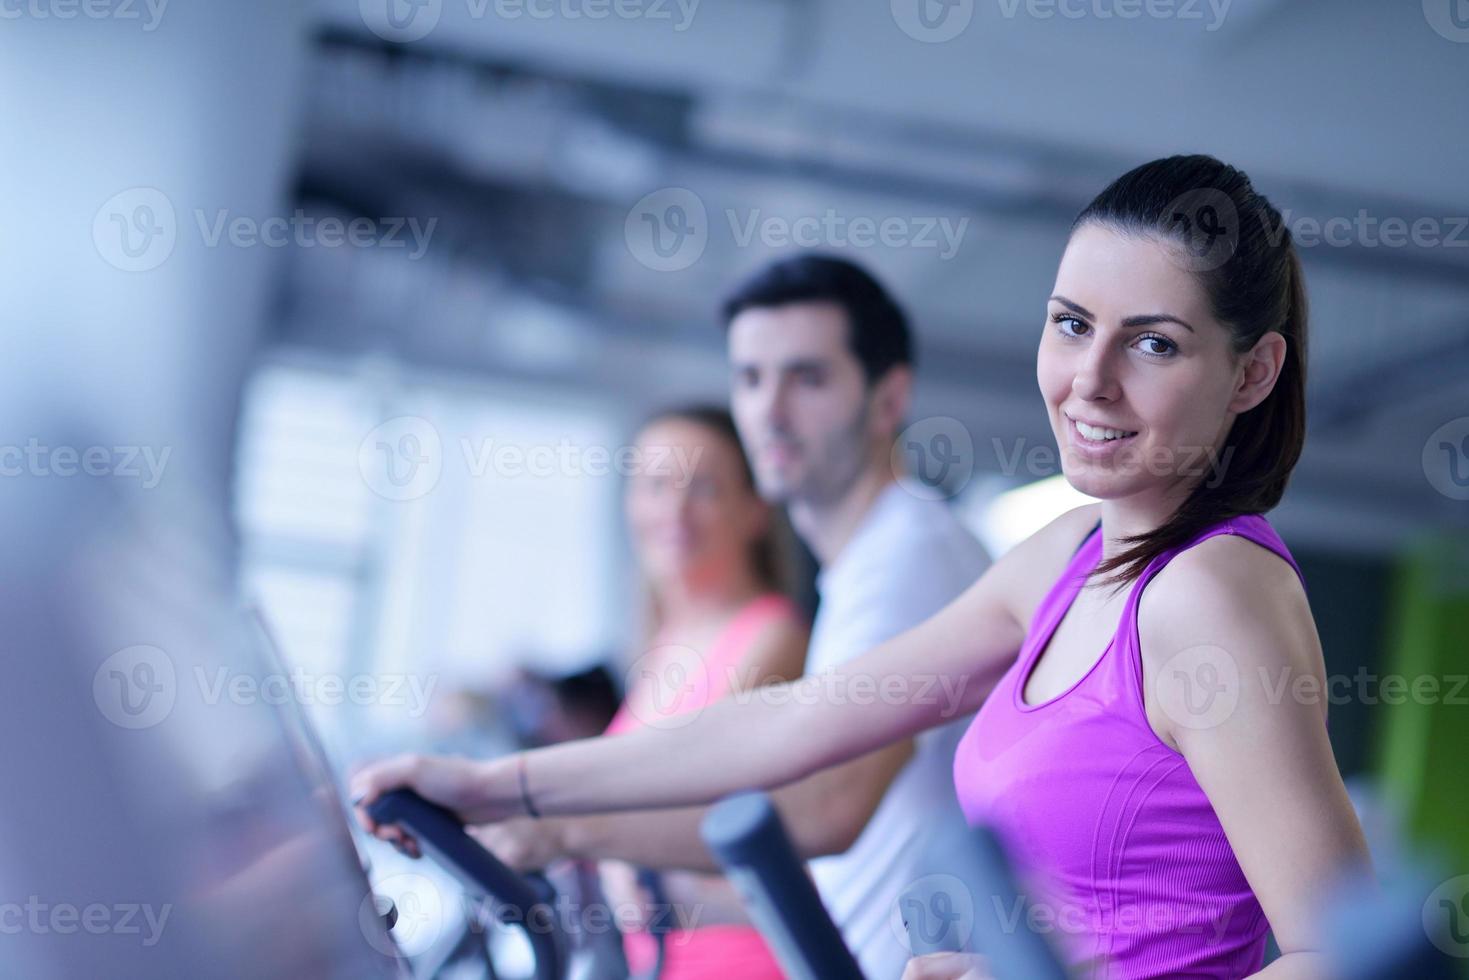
<point>477,791</point>
<point>948,966</point>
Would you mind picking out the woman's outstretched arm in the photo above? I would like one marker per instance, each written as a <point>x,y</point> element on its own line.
<point>770,736</point>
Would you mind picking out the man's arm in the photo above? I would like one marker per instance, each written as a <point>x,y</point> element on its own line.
<point>823,814</point>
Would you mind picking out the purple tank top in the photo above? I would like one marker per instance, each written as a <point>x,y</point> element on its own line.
<point>1115,843</point>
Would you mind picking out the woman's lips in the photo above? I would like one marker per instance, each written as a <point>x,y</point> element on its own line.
<point>1094,449</point>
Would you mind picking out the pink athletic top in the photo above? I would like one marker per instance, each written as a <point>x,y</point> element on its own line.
<point>1112,838</point>
<point>715,952</point>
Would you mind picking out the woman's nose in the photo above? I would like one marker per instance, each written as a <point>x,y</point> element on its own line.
<point>1096,376</point>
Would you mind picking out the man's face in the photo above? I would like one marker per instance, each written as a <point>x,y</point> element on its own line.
<point>800,400</point>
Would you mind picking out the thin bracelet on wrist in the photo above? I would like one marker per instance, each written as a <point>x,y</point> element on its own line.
<point>530,807</point>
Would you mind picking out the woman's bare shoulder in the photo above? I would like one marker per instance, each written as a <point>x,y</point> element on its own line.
<point>1231,590</point>
<point>1227,571</point>
<point>1032,567</point>
<point>1053,545</point>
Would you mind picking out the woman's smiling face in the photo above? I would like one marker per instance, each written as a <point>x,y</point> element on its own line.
<point>1139,378</point>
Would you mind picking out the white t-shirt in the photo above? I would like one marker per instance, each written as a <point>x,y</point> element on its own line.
<point>908,559</point>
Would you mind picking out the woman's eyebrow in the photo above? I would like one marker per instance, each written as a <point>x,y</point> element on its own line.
<point>1140,320</point>
<point>1148,319</point>
<point>1073,307</point>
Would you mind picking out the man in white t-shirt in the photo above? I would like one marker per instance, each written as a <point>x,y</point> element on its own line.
<point>821,382</point>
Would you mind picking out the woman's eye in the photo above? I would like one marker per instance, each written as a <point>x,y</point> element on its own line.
<point>1077,326</point>
<point>1159,346</point>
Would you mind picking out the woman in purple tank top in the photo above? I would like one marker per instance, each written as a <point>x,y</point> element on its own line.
<point>1166,801</point>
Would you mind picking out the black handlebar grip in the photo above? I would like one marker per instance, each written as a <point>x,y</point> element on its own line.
<point>525,901</point>
<point>745,833</point>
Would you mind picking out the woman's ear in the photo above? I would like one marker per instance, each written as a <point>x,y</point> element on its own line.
<point>1259,369</point>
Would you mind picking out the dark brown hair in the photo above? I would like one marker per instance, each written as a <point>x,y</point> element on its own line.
<point>877,334</point>
<point>1240,251</point>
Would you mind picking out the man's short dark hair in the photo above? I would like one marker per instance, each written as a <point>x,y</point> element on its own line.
<point>878,332</point>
